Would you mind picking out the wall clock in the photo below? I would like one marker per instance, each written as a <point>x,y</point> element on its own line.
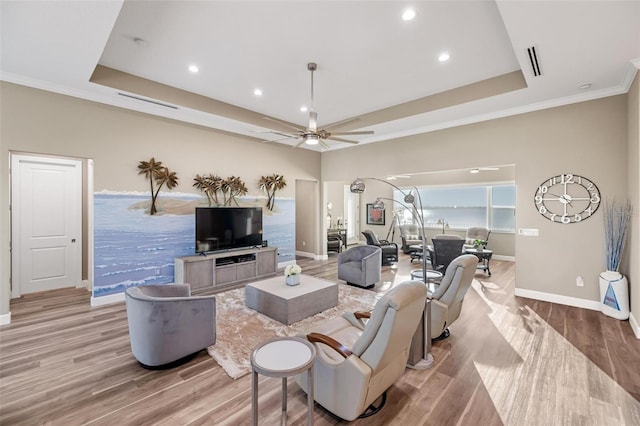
<point>567,198</point>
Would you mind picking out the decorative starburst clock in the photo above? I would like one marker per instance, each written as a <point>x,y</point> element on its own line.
<point>567,198</point>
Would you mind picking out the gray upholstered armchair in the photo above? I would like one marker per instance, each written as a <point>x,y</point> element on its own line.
<point>360,265</point>
<point>167,324</point>
<point>410,234</point>
<point>358,360</point>
<point>446,300</point>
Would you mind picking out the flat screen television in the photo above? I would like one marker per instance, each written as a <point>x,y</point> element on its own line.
<point>227,228</point>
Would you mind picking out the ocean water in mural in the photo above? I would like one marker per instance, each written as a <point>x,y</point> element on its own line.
<point>133,248</point>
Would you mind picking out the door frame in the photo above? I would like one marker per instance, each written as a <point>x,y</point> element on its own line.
<point>86,230</point>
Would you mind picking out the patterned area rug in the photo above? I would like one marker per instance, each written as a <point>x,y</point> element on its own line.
<point>240,329</point>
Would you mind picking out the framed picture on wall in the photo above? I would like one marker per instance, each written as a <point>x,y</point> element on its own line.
<point>374,216</point>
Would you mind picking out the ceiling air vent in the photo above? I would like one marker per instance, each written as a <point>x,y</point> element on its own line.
<point>151,101</point>
<point>535,66</point>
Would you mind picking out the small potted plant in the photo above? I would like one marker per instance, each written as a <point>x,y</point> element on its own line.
<point>292,274</point>
<point>479,244</point>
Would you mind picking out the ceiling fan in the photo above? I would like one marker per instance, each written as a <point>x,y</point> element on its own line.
<point>311,135</point>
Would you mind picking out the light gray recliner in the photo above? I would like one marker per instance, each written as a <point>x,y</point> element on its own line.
<point>476,233</point>
<point>167,324</point>
<point>357,361</point>
<point>410,235</point>
<point>446,300</point>
<point>360,265</point>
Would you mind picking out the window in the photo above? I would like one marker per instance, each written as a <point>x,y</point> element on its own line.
<point>503,208</point>
<point>461,207</point>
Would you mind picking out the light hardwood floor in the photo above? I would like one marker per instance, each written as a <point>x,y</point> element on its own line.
<point>508,361</point>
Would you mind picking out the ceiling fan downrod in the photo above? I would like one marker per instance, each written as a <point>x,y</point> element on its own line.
<point>312,66</point>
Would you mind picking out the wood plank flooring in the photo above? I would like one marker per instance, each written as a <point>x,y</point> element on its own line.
<point>509,361</point>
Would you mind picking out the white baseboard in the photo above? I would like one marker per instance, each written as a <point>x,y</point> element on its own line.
<point>5,319</point>
<point>505,258</point>
<point>635,326</point>
<point>558,298</point>
<point>106,300</point>
<point>305,254</point>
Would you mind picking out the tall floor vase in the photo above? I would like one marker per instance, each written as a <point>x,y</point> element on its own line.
<point>614,295</point>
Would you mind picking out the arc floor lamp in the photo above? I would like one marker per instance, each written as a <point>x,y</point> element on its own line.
<point>420,357</point>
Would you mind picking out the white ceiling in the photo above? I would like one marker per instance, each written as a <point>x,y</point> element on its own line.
<point>368,58</point>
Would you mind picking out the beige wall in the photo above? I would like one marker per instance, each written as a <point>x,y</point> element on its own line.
<point>632,266</point>
<point>307,214</point>
<point>588,139</point>
<point>35,121</point>
<point>592,139</point>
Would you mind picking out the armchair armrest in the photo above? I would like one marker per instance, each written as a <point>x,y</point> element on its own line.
<point>329,341</point>
<point>362,314</point>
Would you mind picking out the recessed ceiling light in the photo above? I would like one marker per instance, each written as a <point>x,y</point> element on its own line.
<point>584,86</point>
<point>444,56</point>
<point>304,108</point>
<point>194,68</point>
<point>408,14</point>
<point>257,92</point>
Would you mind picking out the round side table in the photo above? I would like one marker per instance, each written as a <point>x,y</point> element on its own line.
<point>282,357</point>
<point>417,274</point>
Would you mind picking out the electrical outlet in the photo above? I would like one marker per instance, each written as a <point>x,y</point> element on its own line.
<point>579,282</point>
<point>304,243</point>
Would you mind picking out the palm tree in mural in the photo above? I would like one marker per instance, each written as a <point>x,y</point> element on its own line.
<point>215,186</point>
<point>165,177</point>
<point>238,189</point>
<point>211,185</point>
<point>271,184</point>
<point>231,188</point>
<point>203,184</point>
<point>150,169</point>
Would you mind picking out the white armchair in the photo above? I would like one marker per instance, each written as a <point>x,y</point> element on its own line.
<point>358,360</point>
<point>410,235</point>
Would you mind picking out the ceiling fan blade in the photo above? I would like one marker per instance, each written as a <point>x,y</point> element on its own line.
<point>323,143</point>
<point>284,123</point>
<point>299,143</point>
<point>277,140</point>
<point>342,123</point>
<point>363,132</point>
<point>343,140</point>
<point>313,121</point>
<point>289,135</point>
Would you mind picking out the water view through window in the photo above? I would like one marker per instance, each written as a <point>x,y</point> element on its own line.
<point>461,207</point>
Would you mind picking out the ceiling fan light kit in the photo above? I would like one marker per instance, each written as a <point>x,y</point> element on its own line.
<point>311,135</point>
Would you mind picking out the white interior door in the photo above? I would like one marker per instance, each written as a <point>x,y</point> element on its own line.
<point>351,215</point>
<point>46,223</point>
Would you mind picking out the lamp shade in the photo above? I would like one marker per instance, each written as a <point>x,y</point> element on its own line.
<point>378,204</point>
<point>409,198</point>
<point>357,186</point>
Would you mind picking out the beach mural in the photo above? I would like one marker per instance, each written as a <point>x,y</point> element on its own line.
<point>132,247</point>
